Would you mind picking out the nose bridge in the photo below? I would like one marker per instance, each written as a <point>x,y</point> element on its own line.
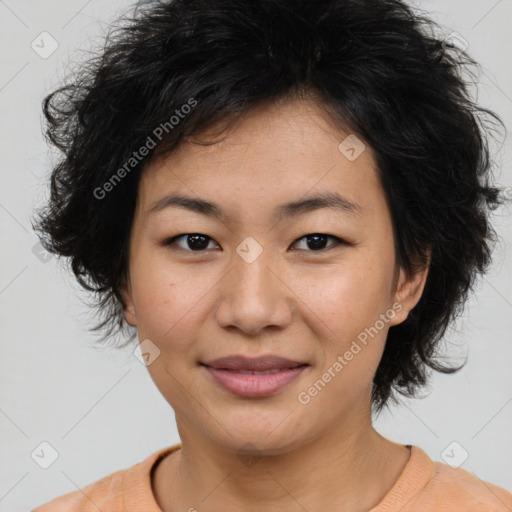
<point>252,278</point>
<point>254,275</point>
<point>253,296</point>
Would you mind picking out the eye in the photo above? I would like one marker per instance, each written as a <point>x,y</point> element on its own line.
<point>317,241</point>
<point>196,242</point>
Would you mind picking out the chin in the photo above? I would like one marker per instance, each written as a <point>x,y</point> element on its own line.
<point>252,435</point>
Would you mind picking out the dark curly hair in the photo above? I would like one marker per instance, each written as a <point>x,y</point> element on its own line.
<point>378,68</point>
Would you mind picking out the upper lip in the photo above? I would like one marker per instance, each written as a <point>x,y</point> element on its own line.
<point>262,363</point>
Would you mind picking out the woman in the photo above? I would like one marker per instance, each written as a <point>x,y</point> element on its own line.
<point>285,202</point>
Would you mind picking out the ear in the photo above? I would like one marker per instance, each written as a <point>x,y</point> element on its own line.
<point>408,291</point>
<point>129,308</point>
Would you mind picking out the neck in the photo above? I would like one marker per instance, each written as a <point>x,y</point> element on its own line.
<point>349,469</point>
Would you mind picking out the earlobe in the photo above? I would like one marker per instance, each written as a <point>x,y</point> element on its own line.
<point>409,290</point>
<point>129,309</point>
<point>129,315</point>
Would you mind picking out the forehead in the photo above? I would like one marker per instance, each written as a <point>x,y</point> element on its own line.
<point>275,154</point>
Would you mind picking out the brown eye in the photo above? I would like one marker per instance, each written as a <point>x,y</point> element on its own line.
<point>317,242</point>
<point>193,242</point>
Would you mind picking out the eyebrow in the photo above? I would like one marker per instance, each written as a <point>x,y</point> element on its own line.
<point>332,200</point>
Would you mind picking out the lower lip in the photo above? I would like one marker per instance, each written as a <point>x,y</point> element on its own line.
<point>251,385</point>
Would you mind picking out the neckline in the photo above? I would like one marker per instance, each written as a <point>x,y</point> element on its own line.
<point>415,475</point>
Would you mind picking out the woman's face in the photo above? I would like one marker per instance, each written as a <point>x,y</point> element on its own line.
<point>253,284</point>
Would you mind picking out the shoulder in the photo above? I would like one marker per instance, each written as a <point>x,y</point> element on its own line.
<point>428,486</point>
<point>104,494</point>
<point>458,487</point>
<point>117,491</point>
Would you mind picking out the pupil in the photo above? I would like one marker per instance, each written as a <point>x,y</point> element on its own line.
<point>314,240</point>
<point>194,239</point>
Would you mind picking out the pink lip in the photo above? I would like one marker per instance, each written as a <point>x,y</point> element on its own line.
<point>251,385</point>
<point>227,371</point>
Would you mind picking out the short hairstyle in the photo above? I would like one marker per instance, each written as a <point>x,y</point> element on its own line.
<point>378,69</point>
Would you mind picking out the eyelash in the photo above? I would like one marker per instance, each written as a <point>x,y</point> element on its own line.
<point>338,240</point>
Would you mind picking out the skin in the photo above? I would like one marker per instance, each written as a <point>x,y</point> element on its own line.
<point>295,301</point>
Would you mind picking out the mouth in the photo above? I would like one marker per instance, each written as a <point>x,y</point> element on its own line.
<point>254,377</point>
<point>253,364</point>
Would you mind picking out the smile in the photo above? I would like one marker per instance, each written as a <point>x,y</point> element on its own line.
<point>253,383</point>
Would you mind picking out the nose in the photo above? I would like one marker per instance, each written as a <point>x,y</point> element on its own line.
<point>253,296</point>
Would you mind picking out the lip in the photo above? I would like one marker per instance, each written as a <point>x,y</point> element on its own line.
<point>262,363</point>
<point>232,374</point>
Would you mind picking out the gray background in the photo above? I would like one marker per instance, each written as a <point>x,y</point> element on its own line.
<point>100,409</point>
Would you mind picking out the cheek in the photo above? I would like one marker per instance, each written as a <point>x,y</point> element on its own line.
<point>347,299</point>
<point>349,305</point>
<point>165,301</point>
<point>350,301</point>
<point>172,304</point>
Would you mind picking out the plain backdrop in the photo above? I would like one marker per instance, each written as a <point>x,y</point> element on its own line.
<point>99,409</point>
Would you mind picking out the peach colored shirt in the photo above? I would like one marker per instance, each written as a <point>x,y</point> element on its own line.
<point>423,486</point>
